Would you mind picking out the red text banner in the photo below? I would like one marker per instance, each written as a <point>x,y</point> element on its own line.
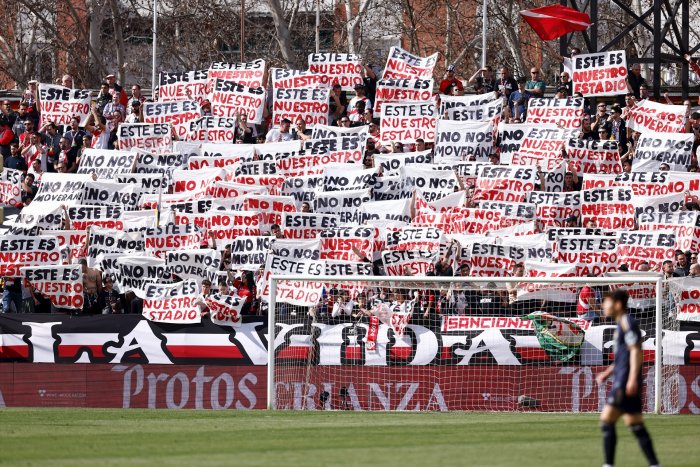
<point>600,74</point>
<point>178,113</point>
<point>249,74</point>
<point>402,64</point>
<point>407,122</point>
<point>58,104</point>
<point>311,105</point>
<point>231,99</point>
<point>63,285</point>
<point>154,137</point>
<point>342,69</point>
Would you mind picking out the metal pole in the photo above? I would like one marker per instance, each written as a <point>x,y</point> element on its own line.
<point>484,26</point>
<point>155,46</point>
<point>271,403</point>
<point>242,31</point>
<point>318,26</point>
<point>658,369</point>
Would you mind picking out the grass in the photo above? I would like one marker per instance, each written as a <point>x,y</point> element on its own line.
<point>75,437</point>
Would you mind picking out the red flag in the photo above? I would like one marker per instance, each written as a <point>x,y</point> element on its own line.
<point>553,21</point>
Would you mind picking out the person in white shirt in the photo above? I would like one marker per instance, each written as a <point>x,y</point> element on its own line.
<point>353,114</point>
<point>35,151</point>
<point>343,306</point>
<point>280,134</point>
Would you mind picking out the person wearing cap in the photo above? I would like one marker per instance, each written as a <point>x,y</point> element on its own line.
<point>135,112</point>
<point>518,100</point>
<point>205,108</point>
<point>353,114</point>
<point>67,81</point>
<point>136,96</point>
<point>449,81</point>
<point>483,80</point>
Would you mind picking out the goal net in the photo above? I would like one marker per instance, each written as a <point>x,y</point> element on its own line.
<point>461,343</point>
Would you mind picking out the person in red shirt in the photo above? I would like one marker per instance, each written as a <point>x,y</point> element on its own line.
<point>588,307</point>
<point>245,288</point>
<point>450,81</point>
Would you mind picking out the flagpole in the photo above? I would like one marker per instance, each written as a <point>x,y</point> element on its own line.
<point>484,26</point>
<point>155,47</point>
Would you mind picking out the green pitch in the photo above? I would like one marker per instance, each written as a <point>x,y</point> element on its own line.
<point>74,437</point>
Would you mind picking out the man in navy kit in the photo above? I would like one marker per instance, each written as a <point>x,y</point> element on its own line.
<point>625,397</point>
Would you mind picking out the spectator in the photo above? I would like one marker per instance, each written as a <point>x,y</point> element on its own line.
<point>68,155</point>
<point>565,81</point>
<point>630,102</point>
<point>601,116</point>
<point>16,161</point>
<point>92,288</point>
<point>353,109</point>
<point>21,122</point>
<point>51,138</point>
<point>29,187</point>
<point>244,131</point>
<point>450,80</point>
<point>67,81</point>
<point>75,134</point>
<point>338,103</point>
<point>369,78</point>
<point>617,128</point>
<point>644,92</point>
<point>12,295</point>
<point>35,150</point>
<point>136,96</point>
<point>536,85</point>
<point>104,97</point>
<point>25,138</point>
<point>135,112</point>
<point>8,113</point>
<point>635,80</point>
<point>682,264</point>
<point>518,100</point>
<point>35,169</point>
<point>506,84</point>
<point>276,231</point>
<point>483,80</point>
<point>205,108</point>
<point>588,306</point>
<point>6,136</point>
<point>305,207</point>
<point>587,132</point>
<point>301,132</point>
<point>282,133</point>
<point>110,300</point>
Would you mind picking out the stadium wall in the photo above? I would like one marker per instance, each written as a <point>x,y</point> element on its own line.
<point>127,361</point>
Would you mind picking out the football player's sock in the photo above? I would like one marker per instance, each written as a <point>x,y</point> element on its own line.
<point>609,442</point>
<point>645,443</point>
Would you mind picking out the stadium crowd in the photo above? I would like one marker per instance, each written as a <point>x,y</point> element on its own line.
<point>36,146</point>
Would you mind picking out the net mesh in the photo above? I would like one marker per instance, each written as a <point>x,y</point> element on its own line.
<point>464,345</point>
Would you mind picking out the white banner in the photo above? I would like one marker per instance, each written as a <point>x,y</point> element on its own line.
<point>59,105</point>
<point>401,64</point>
<point>600,73</point>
